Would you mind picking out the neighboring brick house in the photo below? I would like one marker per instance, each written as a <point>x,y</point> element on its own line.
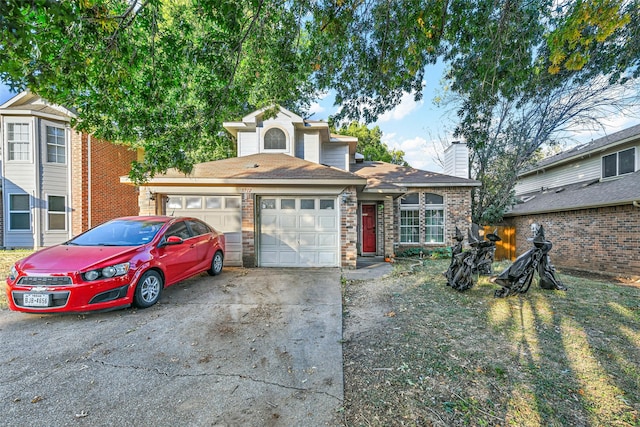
<point>56,182</point>
<point>588,200</point>
<point>299,196</point>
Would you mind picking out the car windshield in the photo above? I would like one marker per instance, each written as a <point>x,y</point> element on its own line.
<point>119,233</point>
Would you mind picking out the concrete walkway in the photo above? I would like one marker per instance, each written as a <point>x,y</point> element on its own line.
<point>368,268</point>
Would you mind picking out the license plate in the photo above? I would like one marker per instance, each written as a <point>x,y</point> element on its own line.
<point>36,300</point>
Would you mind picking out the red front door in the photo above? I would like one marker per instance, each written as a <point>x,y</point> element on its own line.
<point>368,228</point>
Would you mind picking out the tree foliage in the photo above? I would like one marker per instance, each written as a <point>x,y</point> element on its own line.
<point>370,143</point>
<point>164,75</point>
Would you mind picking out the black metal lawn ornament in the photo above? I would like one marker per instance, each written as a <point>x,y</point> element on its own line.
<point>460,273</point>
<point>518,277</point>
<point>485,254</point>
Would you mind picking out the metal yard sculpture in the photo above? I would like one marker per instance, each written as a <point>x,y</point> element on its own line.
<point>518,277</point>
<point>485,254</point>
<point>460,273</point>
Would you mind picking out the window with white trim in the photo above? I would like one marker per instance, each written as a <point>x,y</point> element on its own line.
<point>56,146</point>
<point>410,218</point>
<point>433,218</point>
<point>619,163</point>
<point>19,212</point>
<point>275,139</point>
<point>56,213</point>
<point>18,141</point>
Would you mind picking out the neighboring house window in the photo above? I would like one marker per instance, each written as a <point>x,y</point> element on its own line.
<point>434,218</point>
<point>619,163</point>
<point>18,141</point>
<point>19,212</point>
<point>56,213</point>
<point>410,218</point>
<point>56,149</point>
<point>275,139</point>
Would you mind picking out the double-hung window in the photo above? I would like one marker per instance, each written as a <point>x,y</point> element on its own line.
<point>19,212</point>
<point>18,141</point>
<point>619,163</point>
<point>56,147</point>
<point>56,213</point>
<point>433,218</point>
<point>410,218</point>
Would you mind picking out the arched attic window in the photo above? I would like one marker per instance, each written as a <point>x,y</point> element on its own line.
<point>275,139</point>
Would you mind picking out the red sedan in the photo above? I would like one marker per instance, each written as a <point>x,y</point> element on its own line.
<point>121,262</point>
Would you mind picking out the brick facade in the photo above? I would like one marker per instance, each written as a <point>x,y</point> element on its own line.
<point>248,230</point>
<point>96,192</point>
<point>457,213</point>
<point>597,240</point>
<point>349,228</point>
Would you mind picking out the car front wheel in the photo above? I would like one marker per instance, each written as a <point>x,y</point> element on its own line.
<point>216,264</point>
<point>148,289</point>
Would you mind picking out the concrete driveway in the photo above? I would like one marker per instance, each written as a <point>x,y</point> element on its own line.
<point>251,347</point>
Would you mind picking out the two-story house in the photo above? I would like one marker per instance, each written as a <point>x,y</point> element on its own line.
<point>588,200</point>
<point>298,196</point>
<point>56,182</point>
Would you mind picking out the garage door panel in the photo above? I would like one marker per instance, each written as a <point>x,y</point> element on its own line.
<point>327,222</point>
<point>308,239</point>
<point>303,235</point>
<point>288,221</point>
<point>308,222</point>
<point>327,239</point>
<point>221,212</point>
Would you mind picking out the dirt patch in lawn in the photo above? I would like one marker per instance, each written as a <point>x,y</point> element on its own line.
<point>419,353</point>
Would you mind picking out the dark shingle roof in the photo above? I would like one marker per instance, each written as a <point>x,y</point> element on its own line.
<point>386,176</point>
<point>581,195</point>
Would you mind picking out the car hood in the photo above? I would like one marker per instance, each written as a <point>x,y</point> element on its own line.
<point>69,258</point>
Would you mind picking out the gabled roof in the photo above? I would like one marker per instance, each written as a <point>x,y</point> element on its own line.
<point>581,195</point>
<point>598,145</point>
<point>29,104</point>
<point>250,121</point>
<point>387,177</point>
<point>278,169</point>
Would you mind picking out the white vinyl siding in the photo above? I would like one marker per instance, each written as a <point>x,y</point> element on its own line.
<point>336,155</point>
<point>583,170</point>
<point>247,143</point>
<point>308,147</point>
<point>587,168</point>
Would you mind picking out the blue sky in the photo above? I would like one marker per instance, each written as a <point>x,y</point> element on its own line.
<point>420,128</point>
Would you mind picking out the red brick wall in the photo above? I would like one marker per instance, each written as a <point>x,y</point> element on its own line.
<point>349,228</point>
<point>248,230</point>
<point>96,191</point>
<point>597,240</point>
<point>457,212</point>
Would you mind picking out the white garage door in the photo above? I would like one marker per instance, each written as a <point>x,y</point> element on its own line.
<point>224,213</point>
<point>299,232</point>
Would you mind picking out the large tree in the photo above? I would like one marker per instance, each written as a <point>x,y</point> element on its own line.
<point>370,143</point>
<point>164,75</point>
<point>158,75</point>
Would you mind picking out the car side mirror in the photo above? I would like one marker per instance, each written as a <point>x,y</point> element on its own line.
<point>172,240</point>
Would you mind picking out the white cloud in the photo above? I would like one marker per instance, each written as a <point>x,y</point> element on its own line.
<point>407,105</point>
<point>316,108</point>
<point>419,153</point>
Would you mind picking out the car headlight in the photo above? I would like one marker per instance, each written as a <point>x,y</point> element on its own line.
<point>13,273</point>
<point>107,272</point>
